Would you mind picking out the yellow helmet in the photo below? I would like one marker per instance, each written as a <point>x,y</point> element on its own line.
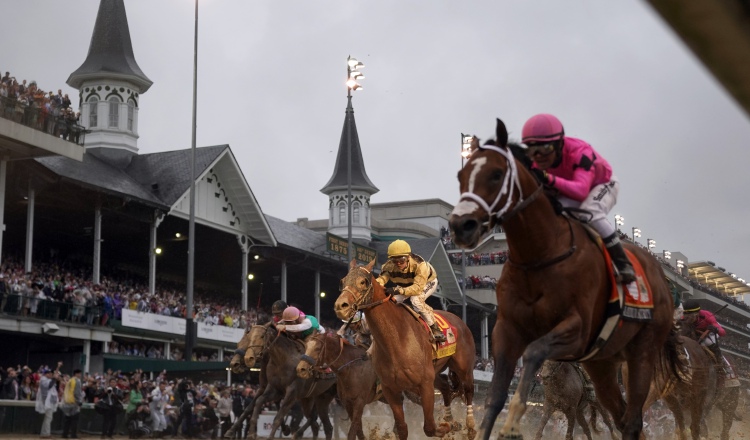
<point>398,248</point>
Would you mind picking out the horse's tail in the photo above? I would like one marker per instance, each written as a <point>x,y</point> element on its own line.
<point>670,363</point>
<point>592,419</point>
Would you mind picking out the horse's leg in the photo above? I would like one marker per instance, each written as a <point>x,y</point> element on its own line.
<point>545,418</point>
<point>311,416</point>
<point>641,359</point>
<point>442,384</point>
<point>284,407</point>
<point>570,416</point>
<point>237,426</point>
<point>322,402</point>
<point>604,376</point>
<point>679,418</point>
<point>395,400</point>
<point>581,418</point>
<point>505,354</point>
<point>728,406</point>
<point>268,396</point>
<point>427,393</point>
<point>606,417</point>
<point>555,344</point>
<point>355,410</point>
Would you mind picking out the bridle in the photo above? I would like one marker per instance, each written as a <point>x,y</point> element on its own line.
<point>322,366</point>
<point>258,353</point>
<point>360,297</point>
<point>511,183</point>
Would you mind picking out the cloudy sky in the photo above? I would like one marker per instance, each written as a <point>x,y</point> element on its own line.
<point>271,85</point>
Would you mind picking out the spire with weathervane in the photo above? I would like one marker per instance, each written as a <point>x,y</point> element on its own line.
<point>110,84</point>
<point>361,187</point>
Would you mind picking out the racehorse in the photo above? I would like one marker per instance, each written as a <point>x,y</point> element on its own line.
<point>565,391</point>
<point>696,392</point>
<point>237,365</point>
<point>553,293</point>
<point>355,375</point>
<point>284,354</point>
<point>403,352</point>
<point>728,391</point>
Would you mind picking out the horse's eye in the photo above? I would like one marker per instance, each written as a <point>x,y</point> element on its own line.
<point>497,175</point>
<point>341,286</point>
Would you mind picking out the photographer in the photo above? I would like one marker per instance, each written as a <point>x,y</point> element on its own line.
<point>112,404</point>
<point>187,396</point>
<point>138,426</point>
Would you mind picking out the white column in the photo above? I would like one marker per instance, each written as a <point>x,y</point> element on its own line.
<point>105,347</point>
<point>317,294</point>
<point>244,279</point>
<point>87,354</point>
<point>152,257</point>
<point>283,281</point>
<point>485,337</point>
<point>3,172</point>
<point>29,229</point>
<point>167,350</point>
<point>97,242</point>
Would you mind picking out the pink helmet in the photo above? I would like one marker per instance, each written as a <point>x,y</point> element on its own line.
<point>542,128</point>
<point>291,314</point>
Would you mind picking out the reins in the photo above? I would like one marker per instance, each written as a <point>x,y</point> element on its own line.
<point>360,297</point>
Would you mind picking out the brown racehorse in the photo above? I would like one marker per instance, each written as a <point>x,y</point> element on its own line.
<point>565,391</point>
<point>284,354</point>
<point>695,393</point>
<point>355,375</point>
<point>553,293</point>
<point>727,398</point>
<point>403,352</point>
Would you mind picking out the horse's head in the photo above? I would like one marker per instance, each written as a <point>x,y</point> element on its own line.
<point>356,288</point>
<point>313,351</point>
<point>256,343</point>
<point>490,185</point>
<point>236,364</point>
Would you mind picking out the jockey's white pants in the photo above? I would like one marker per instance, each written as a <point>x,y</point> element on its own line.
<point>599,202</point>
<point>418,301</point>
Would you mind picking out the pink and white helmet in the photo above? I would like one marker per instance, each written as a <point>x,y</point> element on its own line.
<point>542,128</point>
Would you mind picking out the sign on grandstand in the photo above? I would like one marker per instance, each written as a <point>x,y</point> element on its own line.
<point>176,326</point>
<point>340,246</point>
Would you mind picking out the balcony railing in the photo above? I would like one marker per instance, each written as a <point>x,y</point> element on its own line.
<point>40,119</point>
<point>50,310</point>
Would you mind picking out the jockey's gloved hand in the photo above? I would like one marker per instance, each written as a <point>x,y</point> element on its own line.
<point>392,290</point>
<point>541,175</point>
<point>713,329</point>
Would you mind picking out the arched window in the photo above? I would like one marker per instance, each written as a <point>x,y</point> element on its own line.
<point>342,213</point>
<point>93,111</point>
<point>131,114</point>
<point>355,213</point>
<point>114,112</point>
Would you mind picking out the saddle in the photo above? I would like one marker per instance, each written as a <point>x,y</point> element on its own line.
<point>439,350</point>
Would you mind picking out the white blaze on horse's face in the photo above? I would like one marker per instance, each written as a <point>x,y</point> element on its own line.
<point>468,206</point>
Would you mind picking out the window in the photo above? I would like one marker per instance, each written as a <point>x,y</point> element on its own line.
<point>355,213</point>
<point>342,214</point>
<point>131,112</point>
<point>114,112</point>
<point>93,111</point>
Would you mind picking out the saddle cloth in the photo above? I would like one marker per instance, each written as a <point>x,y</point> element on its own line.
<point>638,304</point>
<point>443,349</point>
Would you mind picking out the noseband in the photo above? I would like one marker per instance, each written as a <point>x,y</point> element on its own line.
<point>258,353</point>
<point>510,184</point>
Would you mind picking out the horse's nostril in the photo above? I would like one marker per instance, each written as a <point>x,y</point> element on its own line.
<point>469,225</point>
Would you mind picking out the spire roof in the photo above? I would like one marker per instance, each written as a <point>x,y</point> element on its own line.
<point>360,181</point>
<point>111,52</point>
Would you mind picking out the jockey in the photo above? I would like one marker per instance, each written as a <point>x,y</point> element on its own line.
<point>582,177</point>
<point>277,309</point>
<point>705,320</point>
<point>357,332</point>
<point>298,324</point>
<point>411,276</point>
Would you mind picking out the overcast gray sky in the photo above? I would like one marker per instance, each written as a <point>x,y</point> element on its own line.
<point>271,85</point>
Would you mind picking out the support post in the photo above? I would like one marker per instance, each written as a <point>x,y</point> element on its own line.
<point>3,173</point>
<point>283,281</point>
<point>97,243</point>
<point>317,294</point>
<point>485,349</point>
<point>86,355</point>
<point>29,229</point>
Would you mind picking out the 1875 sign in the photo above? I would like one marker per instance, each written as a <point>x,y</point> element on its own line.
<point>339,246</point>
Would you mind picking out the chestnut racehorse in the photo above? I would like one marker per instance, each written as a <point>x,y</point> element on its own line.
<point>402,352</point>
<point>553,292</point>
<point>355,375</point>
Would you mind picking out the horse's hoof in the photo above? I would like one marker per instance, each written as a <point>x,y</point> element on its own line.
<point>286,430</point>
<point>471,434</point>
<point>511,436</point>
<point>456,426</point>
<point>442,429</point>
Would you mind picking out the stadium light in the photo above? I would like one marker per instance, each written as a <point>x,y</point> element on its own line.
<point>636,233</point>
<point>250,276</point>
<point>651,243</point>
<point>322,294</point>
<point>667,255</point>
<point>157,251</point>
<point>680,264</point>
<point>619,220</point>
<point>177,235</point>
<point>465,147</point>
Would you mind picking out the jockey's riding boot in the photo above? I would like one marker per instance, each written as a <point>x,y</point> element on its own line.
<point>437,333</point>
<point>617,253</point>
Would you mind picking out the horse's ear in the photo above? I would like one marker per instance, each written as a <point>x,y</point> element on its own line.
<point>501,133</point>
<point>371,265</point>
<point>352,264</point>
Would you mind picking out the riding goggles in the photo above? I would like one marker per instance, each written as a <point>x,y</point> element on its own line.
<point>401,259</point>
<point>541,149</point>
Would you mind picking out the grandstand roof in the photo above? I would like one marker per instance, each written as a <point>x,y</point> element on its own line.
<point>111,51</point>
<point>706,273</point>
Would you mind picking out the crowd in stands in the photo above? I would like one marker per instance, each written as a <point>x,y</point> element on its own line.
<point>62,293</point>
<point>159,405</point>
<point>29,105</point>
<point>477,282</point>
